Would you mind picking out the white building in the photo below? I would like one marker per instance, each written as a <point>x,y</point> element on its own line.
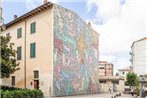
<point>124,71</point>
<point>139,56</point>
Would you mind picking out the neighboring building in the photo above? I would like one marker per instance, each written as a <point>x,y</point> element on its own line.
<point>139,56</point>
<point>124,71</point>
<point>115,83</point>
<point>105,68</point>
<point>57,51</point>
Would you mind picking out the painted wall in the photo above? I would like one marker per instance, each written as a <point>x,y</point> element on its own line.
<point>75,69</point>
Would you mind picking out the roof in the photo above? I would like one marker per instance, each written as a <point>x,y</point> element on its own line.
<point>102,61</point>
<point>30,14</point>
<point>145,38</point>
<point>111,78</point>
<point>125,69</point>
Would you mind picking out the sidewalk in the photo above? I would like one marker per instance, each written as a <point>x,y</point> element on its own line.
<point>100,95</point>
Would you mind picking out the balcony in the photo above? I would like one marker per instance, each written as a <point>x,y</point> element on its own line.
<point>130,53</point>
<point>130,60</point>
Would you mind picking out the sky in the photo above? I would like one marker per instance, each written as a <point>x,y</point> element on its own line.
<point>119,23</point>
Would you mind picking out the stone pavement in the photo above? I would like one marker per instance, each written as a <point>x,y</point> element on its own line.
<point>101,95</point>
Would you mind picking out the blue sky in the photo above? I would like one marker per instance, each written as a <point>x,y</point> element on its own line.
<point>119,22</point>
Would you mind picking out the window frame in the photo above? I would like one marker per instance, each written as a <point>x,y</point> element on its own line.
<point>19,55</point>
<point>19,33</point>
<point>33,50</point>
<point>13,80</point>
<point>36,74</point>
<point>33,28</point>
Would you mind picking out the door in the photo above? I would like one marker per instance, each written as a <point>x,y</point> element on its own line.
<point>36,84</point>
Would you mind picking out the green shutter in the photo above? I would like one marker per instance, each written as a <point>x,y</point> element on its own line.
<point>32,50</point>
<point>33,27</point>
<point>18,53</point>
<point>19,33</point>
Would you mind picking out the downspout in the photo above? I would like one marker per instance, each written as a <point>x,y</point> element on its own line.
<point>25,55</point>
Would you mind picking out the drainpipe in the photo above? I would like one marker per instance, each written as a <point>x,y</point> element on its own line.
<point>25,55</point>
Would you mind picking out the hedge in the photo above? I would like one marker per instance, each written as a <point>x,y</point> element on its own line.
<point>22,93</point>
<point>8,88</point>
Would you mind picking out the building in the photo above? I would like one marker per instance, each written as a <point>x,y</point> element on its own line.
<point>105,68</point>
<point>115,83</point>
<point>57,51</point>
<point>139,56</point>
<point>124,71</point>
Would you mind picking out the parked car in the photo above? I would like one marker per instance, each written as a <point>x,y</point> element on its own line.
<point>127,91</point>
<point>144,94</point>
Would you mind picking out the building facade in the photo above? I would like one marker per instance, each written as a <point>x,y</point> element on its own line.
<point>57,51</point>
<point>124,71</point>
<point>115,83</point>
<point>105,68</point>
<point>139,56</point>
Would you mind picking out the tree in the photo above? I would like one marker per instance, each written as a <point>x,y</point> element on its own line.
<point>7,58</point>
<point>132,79</point>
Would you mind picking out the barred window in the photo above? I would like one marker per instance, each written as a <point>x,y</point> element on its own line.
<point>36,74</point>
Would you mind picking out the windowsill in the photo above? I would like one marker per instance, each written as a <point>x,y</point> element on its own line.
<point>32,57</point>
<point>32,33</point>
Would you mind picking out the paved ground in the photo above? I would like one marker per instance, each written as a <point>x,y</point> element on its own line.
<point>102,95</point>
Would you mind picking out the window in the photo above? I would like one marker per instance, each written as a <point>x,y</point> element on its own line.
<point>19,33</point>
<point>18,53</point>
<point>32,50</point>
<point>101,68</point>
<point>8,35</point>
<point>13,80</point>
<point>115,82</point>
<point>123,72</point>
<point>102,81</point>
<point>33,27</point>
<point>36,74</point>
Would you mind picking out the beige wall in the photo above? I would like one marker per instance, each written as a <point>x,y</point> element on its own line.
<point>105,86</point>
<point>44,51</point>
<point>17,43</point>
<point>105,68</point>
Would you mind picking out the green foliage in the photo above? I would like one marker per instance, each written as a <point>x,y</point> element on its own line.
<point>7,58</point>
<point>132,79</point>
<point>4,88</point>
<point>22,93</point>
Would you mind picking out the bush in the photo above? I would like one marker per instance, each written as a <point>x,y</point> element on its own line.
<point>22,93</point>
<point>8,88</point>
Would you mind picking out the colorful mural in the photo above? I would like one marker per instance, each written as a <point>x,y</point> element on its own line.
<point>75,69</point>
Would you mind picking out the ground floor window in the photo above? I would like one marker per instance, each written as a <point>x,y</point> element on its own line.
<point>13,80</point>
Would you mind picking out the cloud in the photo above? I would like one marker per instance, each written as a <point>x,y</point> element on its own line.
<point>122,24</point>
<point>106,9</point>
<point>31,4</point>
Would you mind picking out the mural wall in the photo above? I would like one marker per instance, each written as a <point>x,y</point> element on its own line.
<point>75,69</point>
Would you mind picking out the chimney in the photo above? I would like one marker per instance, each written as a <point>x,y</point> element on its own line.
<point>45,1</point>
<point>15,16</point>
<point>89,24</point>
